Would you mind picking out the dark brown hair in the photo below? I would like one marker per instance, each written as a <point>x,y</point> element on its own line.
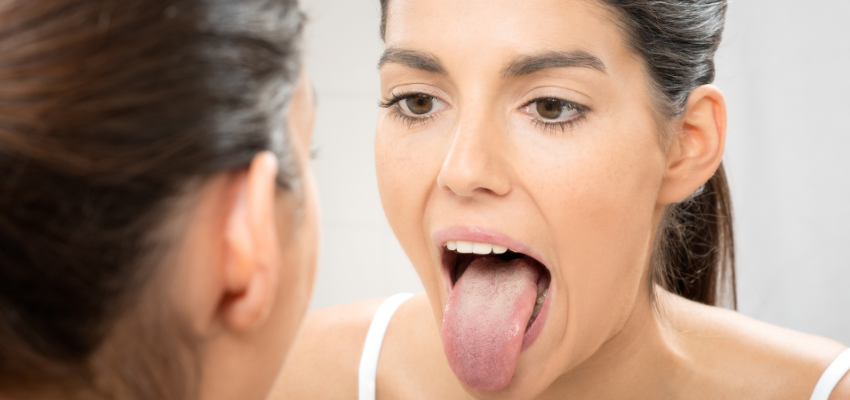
<point>109,111</point>
<point>694,253</point>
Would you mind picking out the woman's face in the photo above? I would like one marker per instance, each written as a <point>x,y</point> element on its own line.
<point>528,126</point>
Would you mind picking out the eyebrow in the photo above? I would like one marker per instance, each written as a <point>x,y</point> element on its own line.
<point>414,59</point>
<point>526,65</point>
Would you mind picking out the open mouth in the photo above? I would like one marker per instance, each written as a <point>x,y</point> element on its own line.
<point>459,255</point>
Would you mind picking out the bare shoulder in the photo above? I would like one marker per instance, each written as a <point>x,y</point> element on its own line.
<point>323,361</point>
<point>842,391</point>
<point>755,354</point>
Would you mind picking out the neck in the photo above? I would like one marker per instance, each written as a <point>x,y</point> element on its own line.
<point>642,360</point>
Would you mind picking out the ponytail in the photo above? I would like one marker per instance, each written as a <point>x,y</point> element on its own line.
<point>694,253</point>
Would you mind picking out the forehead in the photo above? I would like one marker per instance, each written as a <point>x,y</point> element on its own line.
<point>471,32</point>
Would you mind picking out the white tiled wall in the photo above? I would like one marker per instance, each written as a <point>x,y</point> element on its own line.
<point>784,68</point>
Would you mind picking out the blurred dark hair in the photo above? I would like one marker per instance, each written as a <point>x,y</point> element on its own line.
<point>109,111</point>
<point>694,252</point>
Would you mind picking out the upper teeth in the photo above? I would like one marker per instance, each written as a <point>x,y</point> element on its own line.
<point>476,248</point>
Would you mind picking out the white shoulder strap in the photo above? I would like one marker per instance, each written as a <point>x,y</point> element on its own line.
<point>368,371</point>
<point>832,376</point>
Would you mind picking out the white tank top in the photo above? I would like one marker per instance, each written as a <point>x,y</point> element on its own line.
<point>367,373</point>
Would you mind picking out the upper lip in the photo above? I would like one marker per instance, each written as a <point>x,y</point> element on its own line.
<point>483,235</point>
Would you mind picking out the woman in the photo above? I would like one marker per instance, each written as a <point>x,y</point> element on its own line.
<point>553,171</point>
<point>158,227</point>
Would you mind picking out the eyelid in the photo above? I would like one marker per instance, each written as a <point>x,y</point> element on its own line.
<point>551,90</point>
<point>393,104</point>
<point>576,105</point>
<point>398,94</point>
<point>396,98</point>
<point>580,109</point>
<point>438,106</point>
<point>563,125</point>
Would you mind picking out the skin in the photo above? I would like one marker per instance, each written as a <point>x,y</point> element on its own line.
<point>248,265</point>
<point>587,198</point>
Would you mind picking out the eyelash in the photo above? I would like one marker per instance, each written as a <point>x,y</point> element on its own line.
<point>406,119</point>
<point>562,125</point>
<point>547,125</point>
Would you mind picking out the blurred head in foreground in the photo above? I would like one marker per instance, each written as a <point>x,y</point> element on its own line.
<point>158,222</point>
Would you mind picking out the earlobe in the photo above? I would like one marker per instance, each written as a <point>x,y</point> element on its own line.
<point>250,237</point>
<point>696,150</point>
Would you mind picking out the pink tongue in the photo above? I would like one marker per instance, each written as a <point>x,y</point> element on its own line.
<point>485,320</point>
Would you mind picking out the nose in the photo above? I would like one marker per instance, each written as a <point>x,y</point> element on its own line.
<point>476,161</point>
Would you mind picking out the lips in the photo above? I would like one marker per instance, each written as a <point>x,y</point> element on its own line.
<point>496,306</point>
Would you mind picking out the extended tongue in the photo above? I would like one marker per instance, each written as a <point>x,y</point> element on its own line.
<point>485,320</point>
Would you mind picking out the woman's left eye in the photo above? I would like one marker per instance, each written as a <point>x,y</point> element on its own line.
<point>552,110</point>
<point>420,105</point>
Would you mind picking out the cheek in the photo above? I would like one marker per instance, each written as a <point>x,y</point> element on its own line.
<point>601,220</point>
<point>298,233</point>
<point>297,271</point>
<point>391,171</point>
<point>308,243</point>
<point>606,216</point>
<point>407,164</point>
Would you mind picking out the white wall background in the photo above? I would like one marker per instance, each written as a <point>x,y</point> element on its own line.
<point>785,69</point>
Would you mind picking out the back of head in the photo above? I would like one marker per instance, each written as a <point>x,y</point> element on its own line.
<point>109,110</point>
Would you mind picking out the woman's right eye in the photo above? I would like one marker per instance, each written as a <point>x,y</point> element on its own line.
<point>420,105</point>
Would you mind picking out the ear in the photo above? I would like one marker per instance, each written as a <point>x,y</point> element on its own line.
<point>695,152</point>
<point>252,255</point>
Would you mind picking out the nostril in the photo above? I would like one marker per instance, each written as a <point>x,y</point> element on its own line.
<point>468,183</point>
<point>472,167</point>
<point>458,185</point>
